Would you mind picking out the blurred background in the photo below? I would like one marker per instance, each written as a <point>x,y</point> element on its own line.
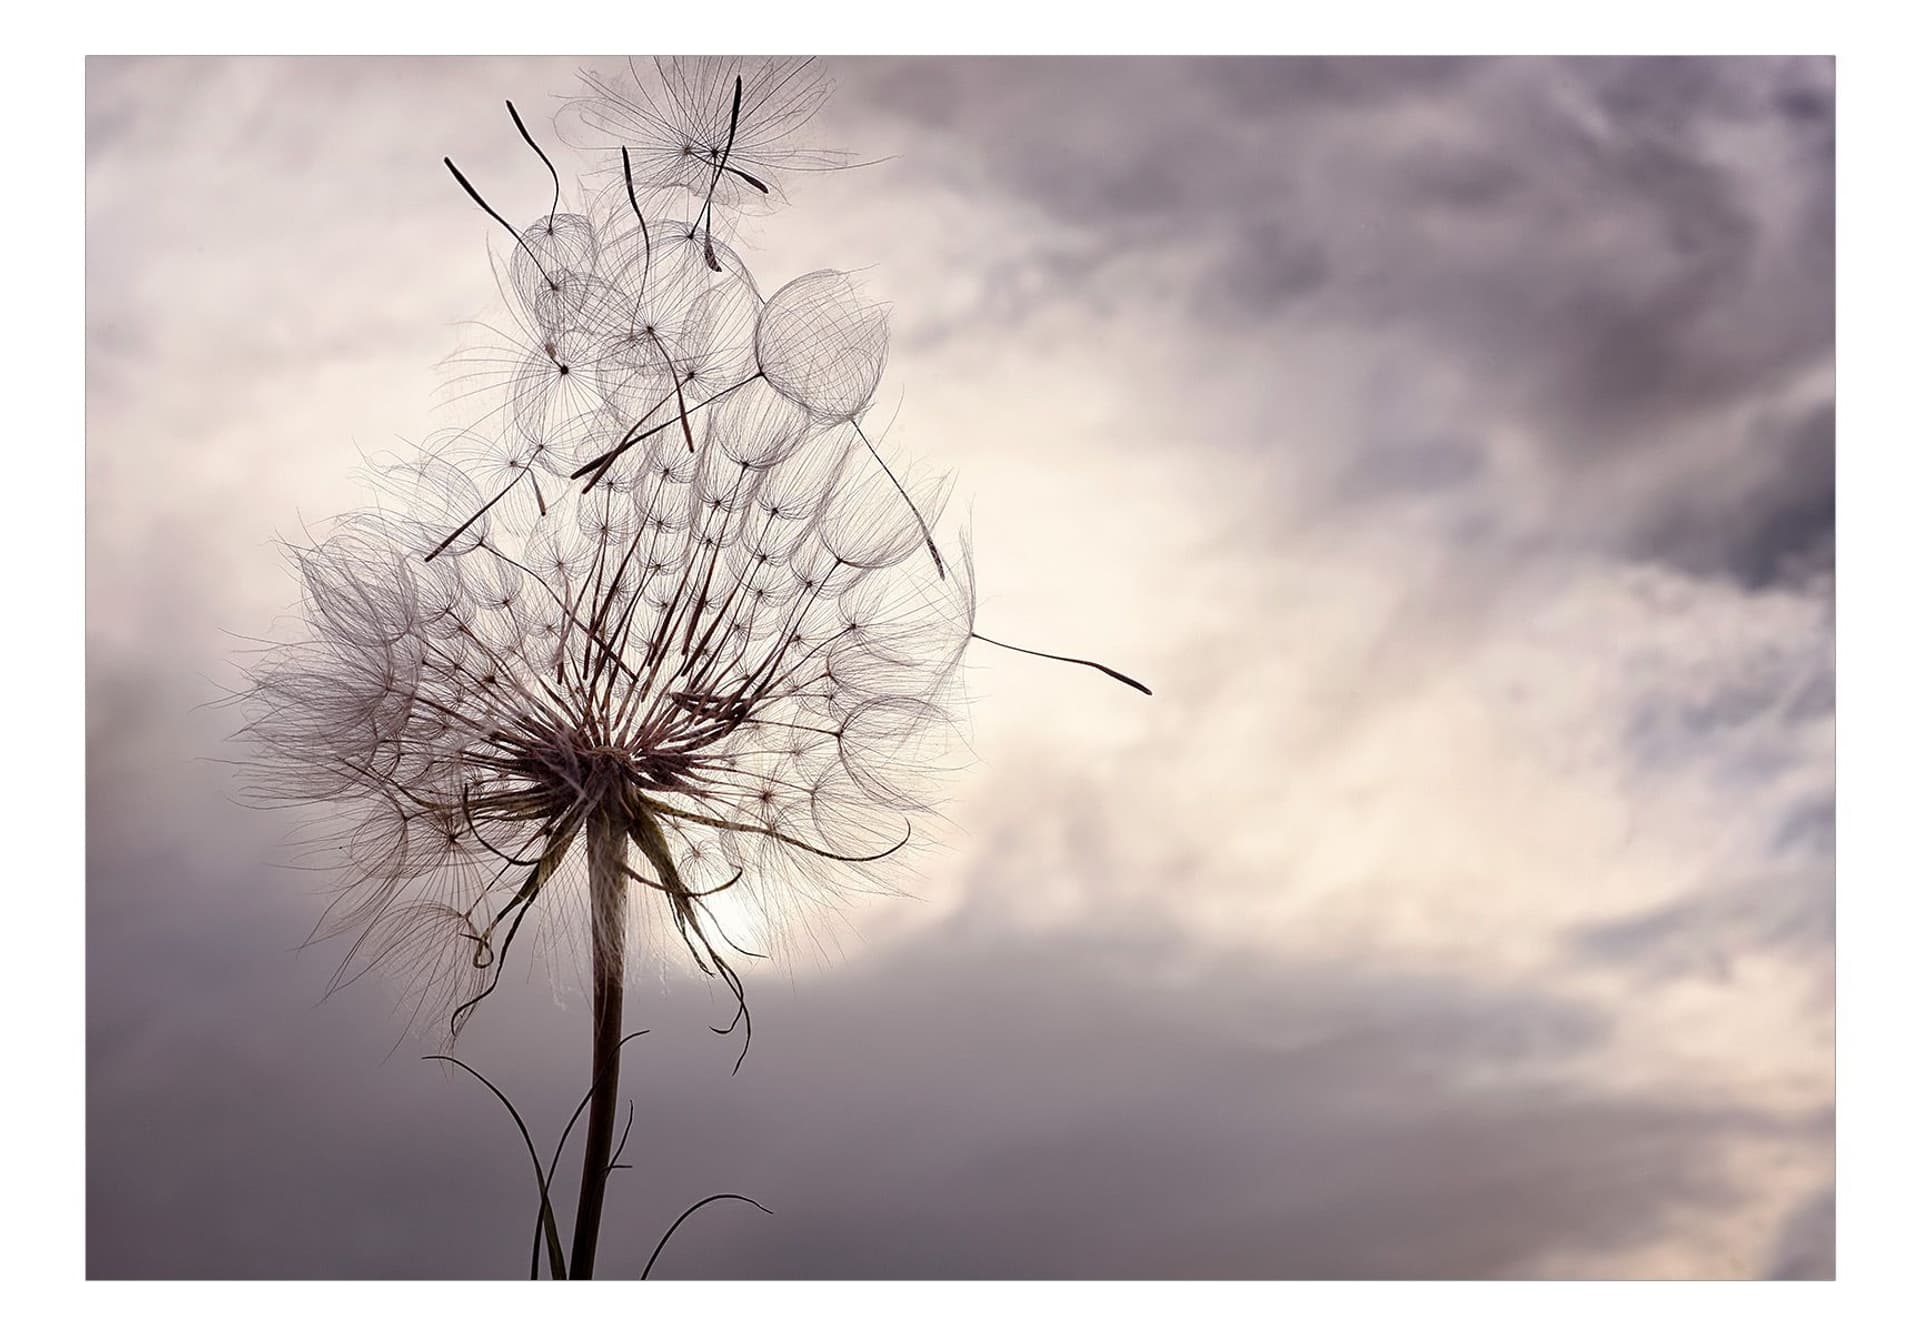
<point>1449,444</point>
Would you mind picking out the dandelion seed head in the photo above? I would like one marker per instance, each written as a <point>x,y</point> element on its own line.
<point>656,614</point>
<point>686,650</point>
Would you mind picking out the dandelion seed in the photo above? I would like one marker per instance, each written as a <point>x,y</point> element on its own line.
<point>674,120</point>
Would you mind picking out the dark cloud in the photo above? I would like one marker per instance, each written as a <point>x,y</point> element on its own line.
<point>1620,256</point>
<point>1767,516</point>
<point>1414,464</point>
<point>977,1101</point>
<point>1805,1249</point>
<point>1263,86</point>
<point>1093,1121</point>
<point>1707,932</point>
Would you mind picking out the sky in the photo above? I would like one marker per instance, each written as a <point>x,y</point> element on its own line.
<point>1448,443</point>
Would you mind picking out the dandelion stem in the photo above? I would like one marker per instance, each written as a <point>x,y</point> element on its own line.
<point>608,896</point>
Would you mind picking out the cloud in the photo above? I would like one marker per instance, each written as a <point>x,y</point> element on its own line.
<point>982,1098</point>
<point>1624,265</point>
<point>1448,443</point>
<point>1078,1106</point>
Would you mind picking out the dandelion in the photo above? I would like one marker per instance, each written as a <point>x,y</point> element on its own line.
<point>648,650</point>
<point>686,135</point>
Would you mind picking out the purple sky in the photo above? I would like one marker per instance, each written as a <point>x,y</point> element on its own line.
<point>1449,443</point>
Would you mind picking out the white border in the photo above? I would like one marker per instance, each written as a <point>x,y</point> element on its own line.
<point>44,976</point>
